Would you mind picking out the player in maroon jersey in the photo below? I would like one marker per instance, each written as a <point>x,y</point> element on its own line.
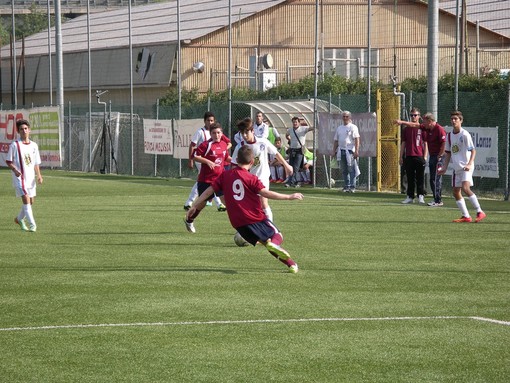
<point>212,154</point>
<point>241,191</point>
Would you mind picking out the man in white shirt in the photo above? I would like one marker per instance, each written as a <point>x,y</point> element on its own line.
<point>346,149</point>
<point>297,138</point>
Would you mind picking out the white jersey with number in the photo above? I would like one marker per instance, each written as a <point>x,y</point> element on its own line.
<point>25,157</point>
<point>460,146</point>
<point>261,148</point>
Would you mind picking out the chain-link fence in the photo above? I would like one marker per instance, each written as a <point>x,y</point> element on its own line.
<point>116,140</point>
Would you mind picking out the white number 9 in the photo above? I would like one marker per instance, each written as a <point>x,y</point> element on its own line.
<point>238,190</point>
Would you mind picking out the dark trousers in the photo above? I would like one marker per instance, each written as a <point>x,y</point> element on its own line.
<point>436,181</point>
<point>295,160</point>
<point>415,170</point>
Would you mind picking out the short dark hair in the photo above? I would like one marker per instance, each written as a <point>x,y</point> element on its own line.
<point>245,124</point>
<point>209,114</point>
<point>215,125</point>
<point>244,155</point>
<point>457,113</point>
<point>22,122</point>
<point>415,111</point>
<point>295,119</point>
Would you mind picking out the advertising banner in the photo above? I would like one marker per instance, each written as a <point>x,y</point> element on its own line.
<point>183,133</point>
<point>44,130</point>
<point>157,137</point>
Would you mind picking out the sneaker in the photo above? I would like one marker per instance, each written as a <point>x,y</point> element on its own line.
<point>462,219</point>
<point>293,269</point>
<point>189,226</point>
<point>21,224</point>
<point>279,251</point>
<point>32,228</point>
<point>480,216</point>
<point>408,200</point>
<point>187,207</point>
<point>222,208</point>
<point>352,190</point>
<point>421,199</point>
<point>435,204</point>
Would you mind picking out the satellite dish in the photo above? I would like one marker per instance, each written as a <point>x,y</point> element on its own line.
<point>198,67</point>
<point>267,61</point>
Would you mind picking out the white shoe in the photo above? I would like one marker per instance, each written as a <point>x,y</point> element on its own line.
<point>189,226</point>
<point>421,199</point>
<point>293,269</point>
<point>408,200</point>
<point>435,204</point>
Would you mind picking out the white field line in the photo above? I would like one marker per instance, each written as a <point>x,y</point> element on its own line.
<point>229,322</point>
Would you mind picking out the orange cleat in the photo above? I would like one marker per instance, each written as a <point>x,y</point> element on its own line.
<point>480,216</point>
<point>463,219</point>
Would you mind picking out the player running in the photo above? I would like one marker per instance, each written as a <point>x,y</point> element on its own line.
<point>241,190</point>
<point>212,154</point>
<point>261,148</point>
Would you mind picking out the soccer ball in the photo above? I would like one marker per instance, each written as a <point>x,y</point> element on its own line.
<point>239,240</point>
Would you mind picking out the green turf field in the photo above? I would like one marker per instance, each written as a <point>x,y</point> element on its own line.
<point>112,288</point>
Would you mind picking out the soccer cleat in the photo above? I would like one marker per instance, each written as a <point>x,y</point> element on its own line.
<point>480,216</point>
<point>421,200</point>
<point>462,219</point>
<point>187,207</point>
<point>408,200</point>
<point>293,269</point>
<point>189,226</point>
<point>208,203</point>
<point>279,251</point>
<point>435,204</point>
<point>32,228</point>
<point>21,224</point>
<point>222,208</point>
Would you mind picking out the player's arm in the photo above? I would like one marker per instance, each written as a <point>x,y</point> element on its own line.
<point>191,154</point>
<point>469,165</point>
<point>11,166</point>
<point>285,164</point>
<point>38,174</point>
<point>200,201</point>
<point>446,162</point>
<point>204,161</point>
<point>274,195</point>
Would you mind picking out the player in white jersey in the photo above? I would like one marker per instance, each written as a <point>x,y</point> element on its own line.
<point>260,129</point>
<point>460,152</point>
<point>23,159</point>
<point>261,148</point>
<point>200,136</point>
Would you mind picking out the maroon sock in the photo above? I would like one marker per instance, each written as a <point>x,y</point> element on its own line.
<point>194,215</point>
<point>277,239</point>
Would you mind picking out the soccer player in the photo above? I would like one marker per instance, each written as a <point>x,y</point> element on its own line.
<point>23,159</point>
<point>241,191</point>
<point>461,152</point>
<point>201,135</point>
<point>212,154</point>
<point>261,148</point>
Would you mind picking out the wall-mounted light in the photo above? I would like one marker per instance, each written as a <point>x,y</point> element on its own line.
<point>198,67</point>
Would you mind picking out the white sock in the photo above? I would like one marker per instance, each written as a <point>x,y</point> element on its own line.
<point>217,201</point>
<point>27,209</point>
<point>193,194</point>
<point>269,213</point>
<point>474,201</point>
<point>461,204</point>
<point>21,214</point>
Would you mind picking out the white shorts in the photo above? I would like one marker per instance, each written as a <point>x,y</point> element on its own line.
<point>460,176</point>
<point>20,192</point>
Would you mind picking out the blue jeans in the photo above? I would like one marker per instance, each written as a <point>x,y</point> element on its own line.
<point>436,181</point>
<point>348,169</point>
<point>295,160</point>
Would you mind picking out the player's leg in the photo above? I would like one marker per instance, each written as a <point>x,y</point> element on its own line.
<point>27,211</point>
<point>457,182</point>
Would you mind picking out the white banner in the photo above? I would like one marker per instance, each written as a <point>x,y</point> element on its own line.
<point>183,133</point>
<point>486,146</point>
<point>366,123</point>
<point>44,130</point>
<point>157,137</point>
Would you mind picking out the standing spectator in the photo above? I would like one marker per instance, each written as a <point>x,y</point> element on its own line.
<point>23,159</point>
<point>297,141</point>
<point>461,152</point>
<point>241,190</point>
<point>261,148</point>
<point>414,148</point>
<point>346,149</point>
<point>200,136</point>
<point>212,154</point>
<point>436,139</point>
<point>273,134</point>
